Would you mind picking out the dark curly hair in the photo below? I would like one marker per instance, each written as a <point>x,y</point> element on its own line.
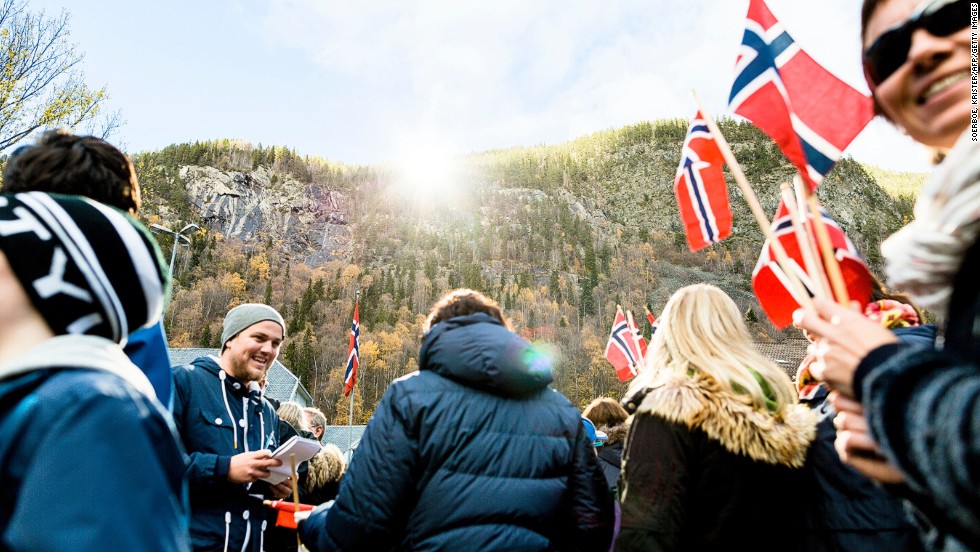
<point>461,302</point>
<point>60,162</point>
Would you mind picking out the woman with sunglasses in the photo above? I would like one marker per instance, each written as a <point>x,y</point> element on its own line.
<point>920,428</point>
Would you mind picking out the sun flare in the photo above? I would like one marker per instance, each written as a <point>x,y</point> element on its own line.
<point>425,168</point>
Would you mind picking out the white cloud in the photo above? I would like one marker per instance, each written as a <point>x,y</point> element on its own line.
<point>345,79</point>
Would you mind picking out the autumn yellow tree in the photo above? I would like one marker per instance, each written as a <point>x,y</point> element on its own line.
<point>41,81</point>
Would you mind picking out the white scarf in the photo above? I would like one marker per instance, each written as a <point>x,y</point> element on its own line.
<point>924,257</point>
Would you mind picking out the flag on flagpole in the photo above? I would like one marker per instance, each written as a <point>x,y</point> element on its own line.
<point>621,350</point>
<point>638,340</point>
<point>353,361</point>
<point>770,282</point>
<point>702,196</point>
<point>811,114</point>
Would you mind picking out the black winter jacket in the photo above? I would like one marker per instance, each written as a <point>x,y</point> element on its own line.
<point>473,452</point>
<point>704,471</point>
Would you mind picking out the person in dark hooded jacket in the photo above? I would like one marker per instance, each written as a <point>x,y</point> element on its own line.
<point>610,418</point>
<point>472,452</point>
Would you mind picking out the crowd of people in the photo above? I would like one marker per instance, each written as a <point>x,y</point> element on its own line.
<point>105,446</point>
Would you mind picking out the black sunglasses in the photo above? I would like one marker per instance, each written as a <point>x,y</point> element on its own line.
<point>891,49</point>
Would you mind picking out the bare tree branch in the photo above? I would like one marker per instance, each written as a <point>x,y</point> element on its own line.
<point>41,82</point>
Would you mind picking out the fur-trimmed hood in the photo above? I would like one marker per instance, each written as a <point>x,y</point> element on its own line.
<point>700,402</point>
<point>616,433</point>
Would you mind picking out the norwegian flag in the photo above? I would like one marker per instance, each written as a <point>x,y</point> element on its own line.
<point>771,284</point>
<point>811,114</point>
<point>621,350</point>
<point>641,344</point>
<point>353,361</point>
<point>702,196</point>
<point>653,322</point>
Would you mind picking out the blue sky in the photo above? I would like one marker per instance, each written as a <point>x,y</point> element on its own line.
<point>367,81</point>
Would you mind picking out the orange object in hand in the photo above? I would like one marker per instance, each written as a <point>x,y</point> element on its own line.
<point>286,510</point>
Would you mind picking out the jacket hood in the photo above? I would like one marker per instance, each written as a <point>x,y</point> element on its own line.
<point>616,433</point>
<point>79,352</point>
<point>699,401</point>
<point>478,351</point>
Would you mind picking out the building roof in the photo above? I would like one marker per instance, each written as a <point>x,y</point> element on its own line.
<point>282,385</point>
<point>787,354</point>
<point>345,437</point>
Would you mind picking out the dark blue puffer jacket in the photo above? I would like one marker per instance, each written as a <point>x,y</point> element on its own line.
<point>473,452</point>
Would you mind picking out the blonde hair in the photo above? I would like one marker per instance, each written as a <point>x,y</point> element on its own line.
<point>328,466</point>
<point>701,331</point>
<point>292,413</point>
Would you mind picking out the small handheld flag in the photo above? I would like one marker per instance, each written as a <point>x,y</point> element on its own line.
<point>770,282</point>
<point>638,340</point>
<point>810,113</point>
<point>652,320</point>
<point>621,350</point>
<point>284,517</point>
<point>702,196</point>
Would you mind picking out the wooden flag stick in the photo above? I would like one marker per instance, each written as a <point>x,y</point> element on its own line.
<point>814,269</point>
<point>799,290</point>
<point>827,250</point>
<point>292,466</point>
<point>802,192</point>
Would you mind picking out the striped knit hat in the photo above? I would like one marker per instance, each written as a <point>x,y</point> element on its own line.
<point>87,268</point>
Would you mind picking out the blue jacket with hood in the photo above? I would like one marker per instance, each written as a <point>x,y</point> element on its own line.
<point>218,417</point>
<point>89,460</point>
<point>473,452</point>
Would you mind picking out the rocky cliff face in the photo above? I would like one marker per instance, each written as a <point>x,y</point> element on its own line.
<point>308,220</point>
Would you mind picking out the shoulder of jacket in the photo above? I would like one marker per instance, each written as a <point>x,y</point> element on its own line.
<point>700,402</point>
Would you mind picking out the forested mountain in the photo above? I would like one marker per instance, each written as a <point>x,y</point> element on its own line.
<point>558,234</point>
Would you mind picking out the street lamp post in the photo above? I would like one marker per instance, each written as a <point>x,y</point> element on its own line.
<point>177,237</point>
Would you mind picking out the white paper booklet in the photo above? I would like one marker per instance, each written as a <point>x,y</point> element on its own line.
<point>303,448</point>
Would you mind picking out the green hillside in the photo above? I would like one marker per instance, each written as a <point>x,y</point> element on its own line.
<point>559,234</point>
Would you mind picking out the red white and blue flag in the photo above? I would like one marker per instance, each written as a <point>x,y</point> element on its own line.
<point>653,322</point>
<point>811,114</point>
<point>771,284</point>
<point>350,374</point>
<point>621,350</point>
<point>641,343</point>
<point>702,196</point>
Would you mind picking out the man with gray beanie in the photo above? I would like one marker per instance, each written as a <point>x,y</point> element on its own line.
<point>89,460</point>
<point>229,430</point>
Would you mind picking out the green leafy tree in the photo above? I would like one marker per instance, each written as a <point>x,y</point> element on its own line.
<point>41,81</point>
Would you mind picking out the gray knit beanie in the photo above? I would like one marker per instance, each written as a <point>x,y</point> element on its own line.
<point>245,315</point>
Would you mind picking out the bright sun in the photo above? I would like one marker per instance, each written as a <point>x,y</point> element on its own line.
<point>425,168</point>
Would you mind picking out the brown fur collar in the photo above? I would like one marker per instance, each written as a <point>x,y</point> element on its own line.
<point>615,433</point>
<point>699,402</point>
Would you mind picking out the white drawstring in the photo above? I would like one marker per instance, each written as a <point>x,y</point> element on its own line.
<point>245,422</point>
<point>227,529</point>
<point>262,537</point>
<point>248,530</point>
<point>231,417</point>
<point>261,427</point>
